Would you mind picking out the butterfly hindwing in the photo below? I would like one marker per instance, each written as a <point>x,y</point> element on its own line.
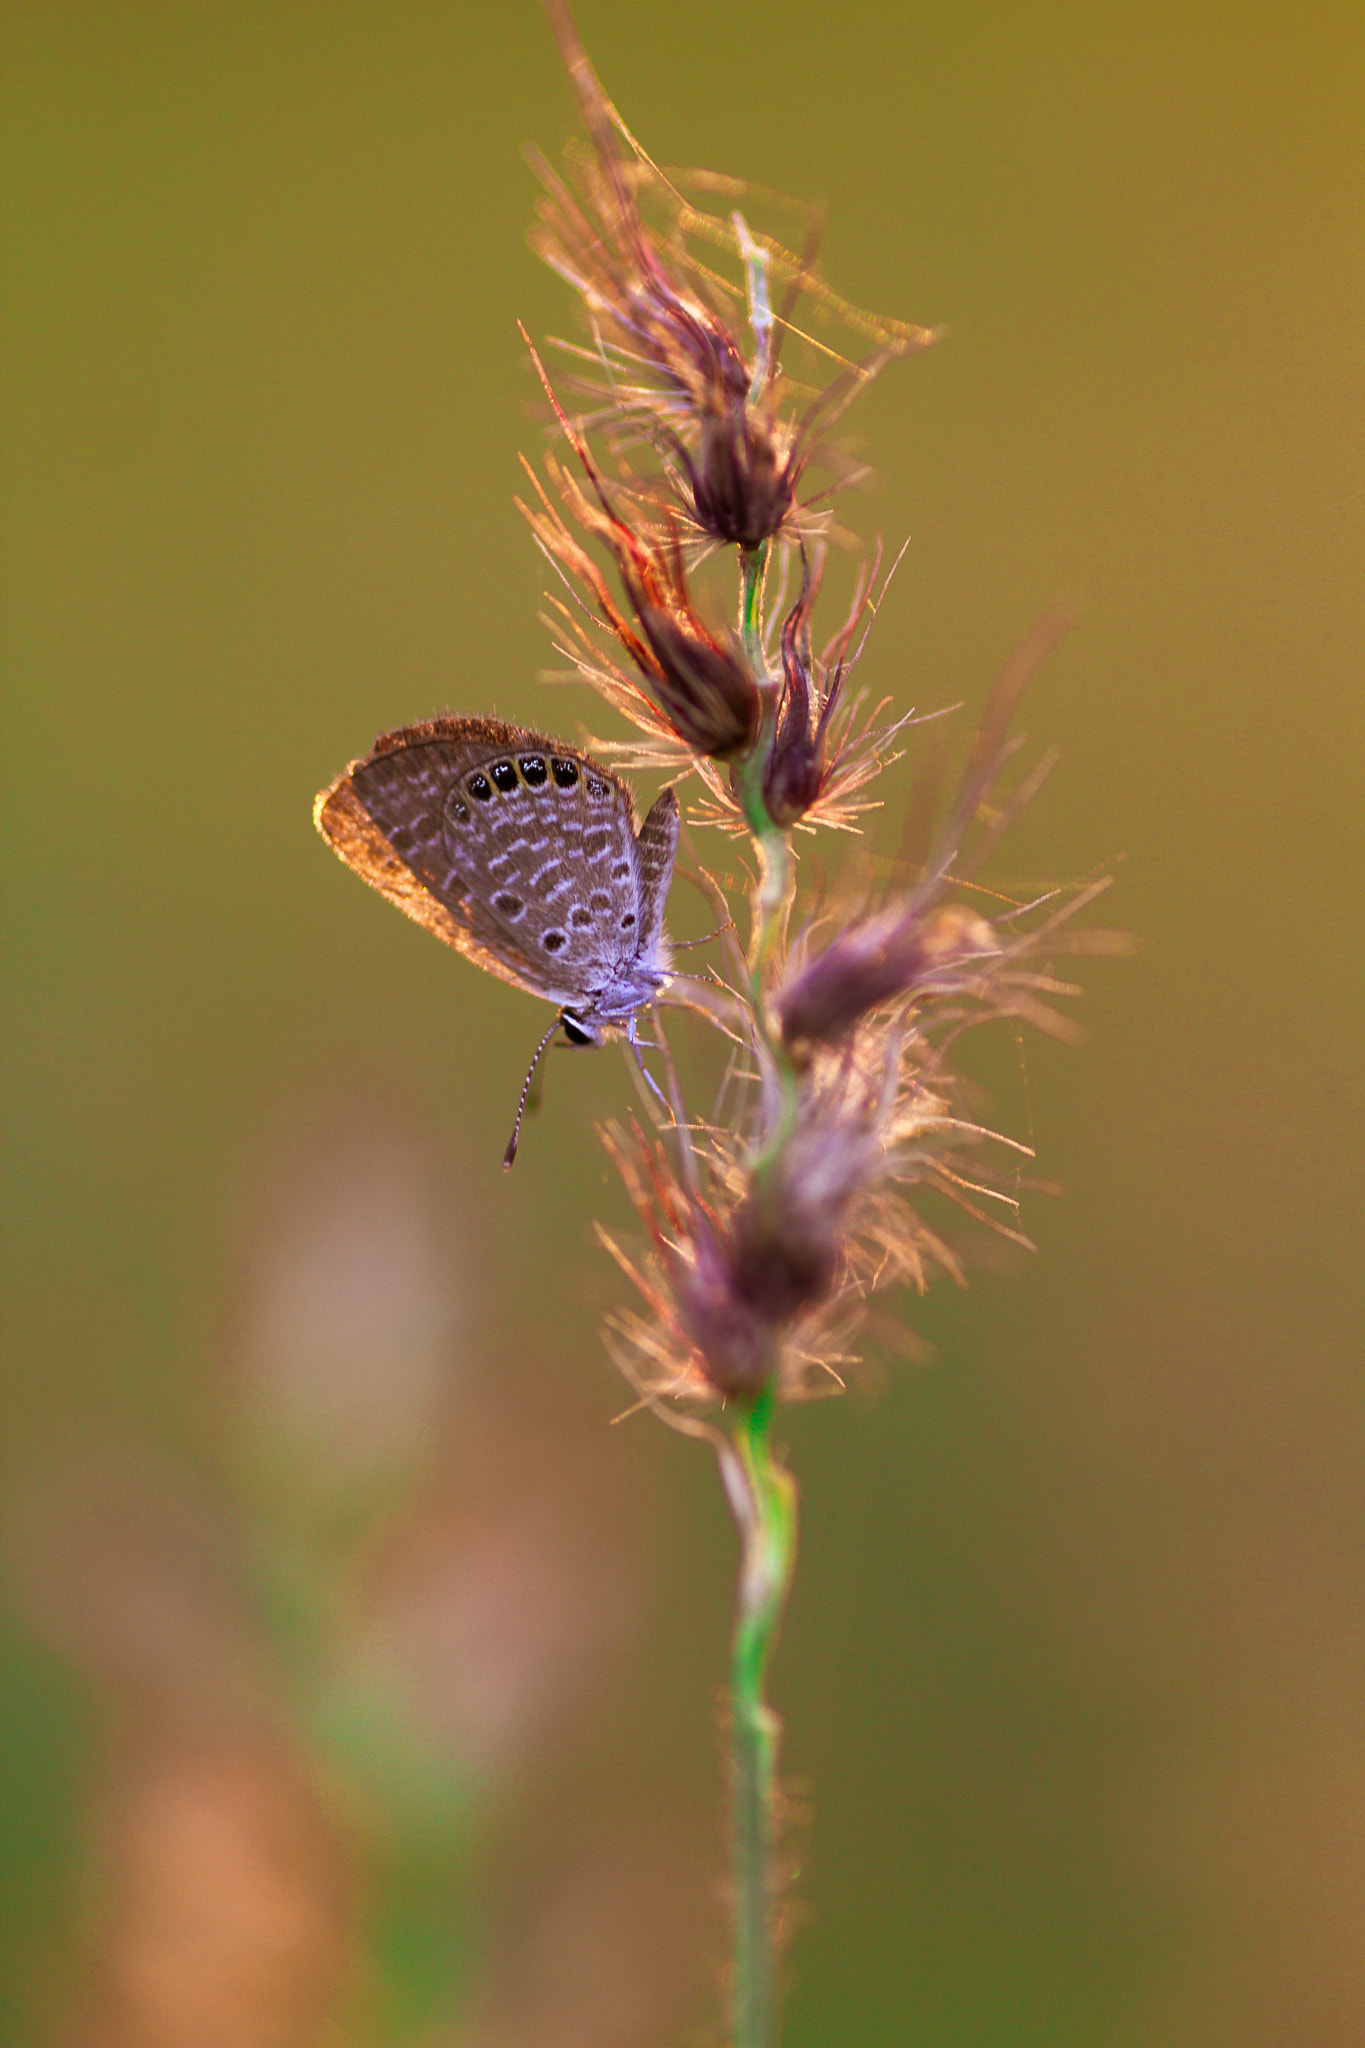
<point>519,851</point>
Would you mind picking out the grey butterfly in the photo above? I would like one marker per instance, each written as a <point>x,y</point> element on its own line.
<point>520,852</point>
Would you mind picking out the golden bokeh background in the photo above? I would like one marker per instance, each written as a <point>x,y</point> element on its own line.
<point>361,1683</point>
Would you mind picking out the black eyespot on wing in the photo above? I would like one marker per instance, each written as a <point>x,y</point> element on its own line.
<point>504,776</point>
<point>479,787</point>
<point>534,773</point>
<point>596,787</point>
<point>565,772</point>
<point>508,905</point>
<point>555,942</point>
<point>458,809</point>
<point>628,921</point>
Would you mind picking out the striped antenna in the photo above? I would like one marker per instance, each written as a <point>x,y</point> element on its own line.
<point>510,1154</point>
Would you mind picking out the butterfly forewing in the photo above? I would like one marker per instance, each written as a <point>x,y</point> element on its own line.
<point>656,850</point>
<point>516,849</point>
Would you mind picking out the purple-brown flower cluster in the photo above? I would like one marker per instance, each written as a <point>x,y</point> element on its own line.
<point>767,1234</point>
<point>671,366</point>
<point>690,366</point>
<point>690,680</point>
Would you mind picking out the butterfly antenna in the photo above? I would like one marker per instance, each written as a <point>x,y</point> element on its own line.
<point>510,1154</point>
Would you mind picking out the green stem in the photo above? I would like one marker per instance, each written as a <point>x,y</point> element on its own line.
<point>752,564</point>
<point>774,859</point>
<point>763,1496</point>
<point>774,856</point>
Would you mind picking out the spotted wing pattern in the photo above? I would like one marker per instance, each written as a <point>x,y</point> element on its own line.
<point>517,850</point>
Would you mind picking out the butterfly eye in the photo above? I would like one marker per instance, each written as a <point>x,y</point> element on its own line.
<point>504,776</point>
<point>565,772</point>
<point>479,786</point>
<point>533,770</point>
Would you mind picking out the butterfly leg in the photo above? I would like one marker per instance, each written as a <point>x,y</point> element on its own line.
<point>640,1063</point>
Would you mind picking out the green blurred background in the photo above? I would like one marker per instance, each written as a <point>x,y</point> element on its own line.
<point>361,1684</point>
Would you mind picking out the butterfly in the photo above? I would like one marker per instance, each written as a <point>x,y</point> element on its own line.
<point>522,853</point>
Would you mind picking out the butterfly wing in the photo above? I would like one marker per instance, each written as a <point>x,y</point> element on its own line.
<point>515,849</point>
<point>656,850</point>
